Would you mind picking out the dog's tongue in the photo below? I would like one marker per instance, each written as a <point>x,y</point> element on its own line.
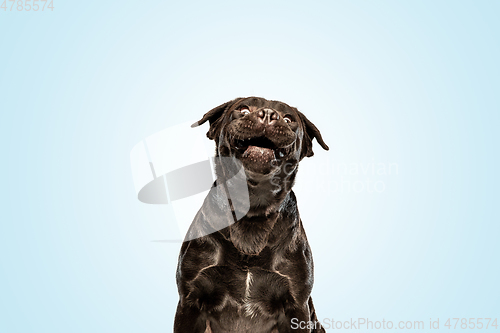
<point>260,158</point>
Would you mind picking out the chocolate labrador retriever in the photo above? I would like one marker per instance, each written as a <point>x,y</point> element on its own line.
<point>245,265</point>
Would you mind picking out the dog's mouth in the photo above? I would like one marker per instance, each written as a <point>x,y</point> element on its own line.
<point>259,152</point>
<point>261,145</point>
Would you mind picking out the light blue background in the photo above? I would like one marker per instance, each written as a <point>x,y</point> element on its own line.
<point>414,83</point>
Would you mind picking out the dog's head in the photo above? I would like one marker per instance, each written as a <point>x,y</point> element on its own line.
<point>264,135</point>
<point>268,138</point>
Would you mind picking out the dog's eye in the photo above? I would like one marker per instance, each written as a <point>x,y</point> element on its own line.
<point>245,111</point>
<point>288,119</point>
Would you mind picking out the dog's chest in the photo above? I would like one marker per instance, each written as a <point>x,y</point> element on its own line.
<point>266,293</point>
<point>253,283</point>
<point>255,294</point>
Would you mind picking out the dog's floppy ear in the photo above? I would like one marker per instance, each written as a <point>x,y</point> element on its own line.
<point>310,132</point>
<point>214,117</point>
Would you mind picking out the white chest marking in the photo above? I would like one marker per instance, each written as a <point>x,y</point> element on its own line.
<point>248,284</point>
<point>249,309</point>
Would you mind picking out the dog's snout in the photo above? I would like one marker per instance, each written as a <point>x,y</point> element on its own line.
<point>268,116</point>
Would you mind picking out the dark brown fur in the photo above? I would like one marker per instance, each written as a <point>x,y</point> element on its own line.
<point>252,274</point>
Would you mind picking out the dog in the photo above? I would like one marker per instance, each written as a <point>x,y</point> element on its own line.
<point>245,264</point>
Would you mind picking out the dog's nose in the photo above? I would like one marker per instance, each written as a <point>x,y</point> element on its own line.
<point>268,116</point>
